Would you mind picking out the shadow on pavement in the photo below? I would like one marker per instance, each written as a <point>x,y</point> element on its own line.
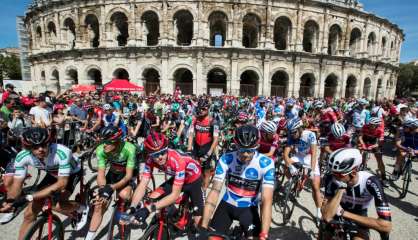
<point>404,206</point>
<point>288,232</point>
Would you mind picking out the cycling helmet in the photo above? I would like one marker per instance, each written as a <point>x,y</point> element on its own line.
<point>290,102</point>
<point>337,130</point>
<point>411,123</point>
<point>242,117</point>
<point>203,103</point>
<point>155,142</point>
<point>35,136</point>
<point>344,160</point>
<point>318,105</point>
<point>362,101</point>
<point>107,107</point>
<point>268,127</point>
<point>375,121</point>
<point>247,136</point>
<point>111,133</point>
<point>294,124</point>
<point>175,107</point>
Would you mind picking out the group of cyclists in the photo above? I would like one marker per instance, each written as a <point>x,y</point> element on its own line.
<point>204,144</point>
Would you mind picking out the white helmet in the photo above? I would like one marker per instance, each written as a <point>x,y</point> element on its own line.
<point>344,160</point>
<point>337,130</point>
<point>318,104</point>
<point>411,123</point>
<point>294,124</point>
<point>375,121</point>
<point>107,107</point>
<point>269,127</point>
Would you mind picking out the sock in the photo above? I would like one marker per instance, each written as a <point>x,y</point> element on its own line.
<point>90,235</point>
<point>318,213</point>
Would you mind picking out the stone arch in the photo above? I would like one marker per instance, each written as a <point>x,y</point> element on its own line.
<point>216,79</point>
<point>116,10</point>
<point>335,39</point>
<point>367,87</point>
<point>282,33</point>
<point>249,81</point>
<point>279,83</point>
<point>310,36</point>
<point>92,30</point>
<point>379,88</point>
<point>307,85</point>
<point>355,41</point>
<point>55,80</point>
<point>52,32</point>
<point>43,77</point>
<point>350,87</point>
<point>218,28</point>
<point>69,33</point>
<point>183,27</point>
<point>151,27</point>
<point>251,30</point>
<point>38,36</point>
<point>94,75</point>
<point>330,86</point>
<point>118,24</point>
<point>71,75</point>
<point>384,46</point>
<point>371,43</point>
<point>151,77</point>
<point>183,78</point>
<point>121,73</point>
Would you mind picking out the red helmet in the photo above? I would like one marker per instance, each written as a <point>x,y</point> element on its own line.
<point>282,124</point>
<point>155,142</point>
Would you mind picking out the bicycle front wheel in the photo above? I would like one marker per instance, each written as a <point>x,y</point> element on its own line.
<point>39,230</point>
<point>122,232</point>
<point>153,232</point>
<point>406,178</point>
<point>93,161</point>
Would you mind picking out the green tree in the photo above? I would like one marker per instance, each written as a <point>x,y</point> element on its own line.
<point>10,68</point>
<point>407,79</point>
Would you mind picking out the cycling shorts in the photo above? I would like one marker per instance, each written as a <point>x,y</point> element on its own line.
<point>200,151</point>
<point>248,218</point>
<point>112,178</point>
<point>193,190</point>
<point>306,161</point>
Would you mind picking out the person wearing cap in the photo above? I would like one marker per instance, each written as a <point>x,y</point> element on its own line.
<point>41,117</point>
<point>9,90</point>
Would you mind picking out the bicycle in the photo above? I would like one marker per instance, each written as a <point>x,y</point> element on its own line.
<point>339,229</point>
<point>124,231</point>
<point>406,172</point>
<point>366,157</point>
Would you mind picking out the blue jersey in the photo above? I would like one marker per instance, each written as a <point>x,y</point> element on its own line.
<point>244,181</point>
<point>360,118</point>
<point>293,113</point>
<point>409,140</point>
<point>303,144</point>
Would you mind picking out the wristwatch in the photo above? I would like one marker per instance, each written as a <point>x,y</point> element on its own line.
<point>29,198</point>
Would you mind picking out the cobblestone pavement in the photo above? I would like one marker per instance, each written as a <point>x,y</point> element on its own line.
<point>301,226</point>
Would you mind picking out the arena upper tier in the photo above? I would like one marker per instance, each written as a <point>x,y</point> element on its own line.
<point>254,47</point>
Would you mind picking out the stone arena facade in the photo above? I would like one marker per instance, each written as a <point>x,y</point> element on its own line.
<point>317,48</point>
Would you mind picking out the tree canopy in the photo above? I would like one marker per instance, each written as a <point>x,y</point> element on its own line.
<point>407,79</point>
<point>10,68</point>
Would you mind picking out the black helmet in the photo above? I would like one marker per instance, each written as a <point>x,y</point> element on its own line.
<point>35,136</point>
<point>247,136</point>
<point>203,103</point>
<point>111,133</point>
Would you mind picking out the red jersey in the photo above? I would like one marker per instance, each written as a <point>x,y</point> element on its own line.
<point>205,130</point>
<point>328,115</point>
<point>338,143</point>
<point>370,136</point>
<point>266,145</point>
<point>183,168</point>
<point>98,112</point>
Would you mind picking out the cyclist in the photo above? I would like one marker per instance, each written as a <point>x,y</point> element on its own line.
<point>247,173</point>
<point>406,141</point>
<point>349,193</point>
<point>113,118</point>
<point>371,138</point>
<point>121,156</point>
<point>185,175</point>
<point>62,175</point>
<point>337,139</point>
<point>203,139</point>
<point>269,140</point>
<point>304,144</point>
<point>291,110</point>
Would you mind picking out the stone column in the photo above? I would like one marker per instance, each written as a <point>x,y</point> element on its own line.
<point>235,36</point>
<point>323,46</point>
<point>295,84</point>
<point>298,30</point>
<point>132,28</point>
<point>321,81</point>
<point>343,82</point>
<point>200,85</point>
<point>266,76</point>
<point>235,78</point>
<point>166,81</point>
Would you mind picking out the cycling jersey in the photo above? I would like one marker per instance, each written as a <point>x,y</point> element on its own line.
<point>125,157</point>
<point>59,162</point>
<point>244,180</point>
<point>303,144</point>
<point>371,136</point>
<point>205,129</point>
<point>328,115</point>
<point>338,143</point>
<point>266,145</point>
<point>360,117</point>
<point>409,140</point>
<point>293,113</point>
<point>182,167</point>
<point>109,119</point>
<point>358,198</point>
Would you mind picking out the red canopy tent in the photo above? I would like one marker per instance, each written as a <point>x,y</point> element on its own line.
<point>83,88</point>
<point>122,85</point>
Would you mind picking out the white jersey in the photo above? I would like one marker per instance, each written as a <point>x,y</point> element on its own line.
<point>244,181</point>
<point>59,162</point>
<point>303,144</point>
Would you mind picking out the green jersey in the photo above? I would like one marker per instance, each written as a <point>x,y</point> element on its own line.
<point>124,158</point>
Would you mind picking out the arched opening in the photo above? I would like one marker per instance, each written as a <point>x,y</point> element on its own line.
<point>307,85</point>
<point>350,87</point>
<point>94,75</point>
<point>183,78</point>
<point>216,81</point>
<point>379,88</point>
<point>282,33</point>
<point>217,25</point>
<point>249,83</point>
<point>310,36</point>
<point>392,48</point>
<point>43,79</point>
<point>121,73</point>
<point>152,80</point>
<point>52,32</point>
<point>330,87</point>
<point>120,28</point>
<point>367,88</point>
<point>69,32</point>
<point>279,83</point>
<point>183,27</point>
<point>371,43</point>
<point>334,39</point>
<point>151,28</point>
<point>251,26</point>
<point>55,81</point>
<point>355,41</point>
<point>72,76</point>
<point>384,43</point>
<point>92,31</point>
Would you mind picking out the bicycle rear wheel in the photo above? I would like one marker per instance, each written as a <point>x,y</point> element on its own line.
<point>406,178</point>
<point>39,230</point>
<point>123,232</point>
<point>152,232</point>
<point>93,161</point>
<point>285,201</point>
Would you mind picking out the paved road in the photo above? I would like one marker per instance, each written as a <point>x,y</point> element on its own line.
<point>301,226</point>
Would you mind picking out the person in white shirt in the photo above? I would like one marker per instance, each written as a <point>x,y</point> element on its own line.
<point>40,115</point>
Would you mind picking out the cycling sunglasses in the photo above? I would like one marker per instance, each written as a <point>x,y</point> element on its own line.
<point>159,153</point>
<point>110,142</point>
<point>340,175</point>
<point>247,150</point>
<point>34,147</point>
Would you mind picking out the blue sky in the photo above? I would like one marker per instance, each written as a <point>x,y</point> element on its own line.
<point>402,12</point>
